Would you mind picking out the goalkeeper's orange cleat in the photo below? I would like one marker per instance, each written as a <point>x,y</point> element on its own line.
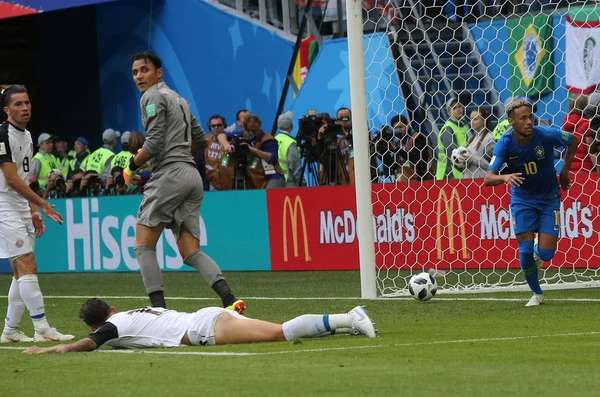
<point>238,306</point>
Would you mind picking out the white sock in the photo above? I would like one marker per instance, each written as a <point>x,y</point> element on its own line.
<point>314,325</point>
<point>32,295</point>
<point>16,308</point>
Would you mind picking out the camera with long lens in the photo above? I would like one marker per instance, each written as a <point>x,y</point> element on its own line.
<point>238,140</point>
<point>309,125</point>
<point>59,184</point>
<point>380,143</point>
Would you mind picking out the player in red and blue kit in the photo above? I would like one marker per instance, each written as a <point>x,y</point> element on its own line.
<point>528,152</point>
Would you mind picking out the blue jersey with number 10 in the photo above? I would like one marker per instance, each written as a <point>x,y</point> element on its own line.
<point>534,161</point>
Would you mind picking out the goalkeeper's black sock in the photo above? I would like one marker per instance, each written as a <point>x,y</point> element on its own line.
<point>157,299</point>
<point>222,289</point>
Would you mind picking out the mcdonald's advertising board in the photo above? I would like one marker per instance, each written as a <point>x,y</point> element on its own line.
<point>458,224</point>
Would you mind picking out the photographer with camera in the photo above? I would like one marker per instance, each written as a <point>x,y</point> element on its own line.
<point>219,164</point>
<point>333,145</point>
<point>91,184</point>
<point>115,184</point>
<point>56,187</point>
<point>255,154</point>
<point>383,151</point>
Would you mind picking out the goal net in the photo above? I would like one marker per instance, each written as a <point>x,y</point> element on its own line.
<point>441,218</point>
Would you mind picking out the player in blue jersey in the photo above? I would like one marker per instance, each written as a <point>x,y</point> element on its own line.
<point>528,152</point>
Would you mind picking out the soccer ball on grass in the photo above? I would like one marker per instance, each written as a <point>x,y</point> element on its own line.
<point>422,286</point>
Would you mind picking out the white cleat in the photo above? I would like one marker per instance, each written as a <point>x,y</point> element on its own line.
<point>538,261</point>
<point>51,334</point>
<point>361,322</point>
<point>536,300</point>
<point>15,336</point>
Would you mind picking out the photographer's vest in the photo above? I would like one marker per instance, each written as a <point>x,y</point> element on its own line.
<point>258,168</point>
<point>500,129</point>
<point>219,164</point>
<point>48,163</point>
<point>459,134</point>
<point>97,160</point>
<point>121,159</point>
<point>285,141</point>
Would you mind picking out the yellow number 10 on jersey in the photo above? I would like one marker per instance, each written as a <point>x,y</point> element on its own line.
<point>530,168</point>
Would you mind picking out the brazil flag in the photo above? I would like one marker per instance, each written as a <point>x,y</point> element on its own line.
<point>530,47</point>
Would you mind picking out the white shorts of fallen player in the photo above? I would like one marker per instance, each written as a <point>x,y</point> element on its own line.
<point>17,235</point>
<point>202,327</point>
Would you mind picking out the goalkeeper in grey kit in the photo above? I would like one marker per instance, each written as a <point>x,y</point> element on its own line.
<point>174,192</point>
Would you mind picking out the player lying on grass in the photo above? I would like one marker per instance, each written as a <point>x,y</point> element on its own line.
<point>158,327</point>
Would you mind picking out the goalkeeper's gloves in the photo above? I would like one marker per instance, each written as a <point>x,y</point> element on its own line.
<point>129,173</point>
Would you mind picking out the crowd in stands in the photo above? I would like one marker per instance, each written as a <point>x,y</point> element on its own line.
<point>243,156</point>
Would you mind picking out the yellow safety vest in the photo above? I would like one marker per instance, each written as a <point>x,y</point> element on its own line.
<point>460,136</point>
<point>285,141</point>
<point>62,164</point>
<point>48,163</point>
<point>500,129</point>
<point>97,160</point>
<point>121,159</point>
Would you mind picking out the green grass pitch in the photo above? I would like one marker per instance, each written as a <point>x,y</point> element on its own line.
<point>462,345</point>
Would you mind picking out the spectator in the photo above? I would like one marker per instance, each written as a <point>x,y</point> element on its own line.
<point>43,162</point>
<point>100,160</point>
<point>263,168</point>
<point>219,164</point>
<point>61,157</point>
<point>80,152</point>
<point>122,158</point>
<point>452,135</point>
<point>576,124</point>
<point>481,145</point>
<point>289,159</point>
<point>414,155</point>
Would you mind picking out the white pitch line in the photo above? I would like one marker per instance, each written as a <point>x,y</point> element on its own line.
<point>329,349</point>
<point>324,298</point>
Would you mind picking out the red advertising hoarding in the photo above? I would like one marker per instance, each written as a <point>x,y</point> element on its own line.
<point>454,225</point>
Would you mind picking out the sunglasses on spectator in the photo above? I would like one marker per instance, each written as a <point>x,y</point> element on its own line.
<point>345,118</point>
<point>216,125</point>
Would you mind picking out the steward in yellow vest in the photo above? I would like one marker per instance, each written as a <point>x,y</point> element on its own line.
<point>43,162</point>
<point>453,134</point>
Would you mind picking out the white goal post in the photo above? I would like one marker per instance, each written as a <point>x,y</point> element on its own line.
<point>458,229</point>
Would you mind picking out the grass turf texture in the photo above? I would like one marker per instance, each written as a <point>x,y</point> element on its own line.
<point>465,347</point>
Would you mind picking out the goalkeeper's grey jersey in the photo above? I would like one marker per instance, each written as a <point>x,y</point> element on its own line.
<point>170,127</point>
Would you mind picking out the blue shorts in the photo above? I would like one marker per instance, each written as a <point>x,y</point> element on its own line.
<point>536,217</point>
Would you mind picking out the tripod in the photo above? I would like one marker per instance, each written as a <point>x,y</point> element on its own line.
<point>240,179</point>
<point>333,161</point>
<point>309,162</point>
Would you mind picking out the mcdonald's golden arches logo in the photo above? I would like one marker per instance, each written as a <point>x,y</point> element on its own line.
<point>295,210</point>
<point>446,204</point>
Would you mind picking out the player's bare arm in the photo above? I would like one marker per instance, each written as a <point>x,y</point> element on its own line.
<point>16,183</point>
<point>493,179</point>
<point>84,345</point>
<point>563,178</point>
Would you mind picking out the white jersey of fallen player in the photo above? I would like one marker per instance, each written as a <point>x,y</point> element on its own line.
<point>15,144</point>
<point>149,327</point>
